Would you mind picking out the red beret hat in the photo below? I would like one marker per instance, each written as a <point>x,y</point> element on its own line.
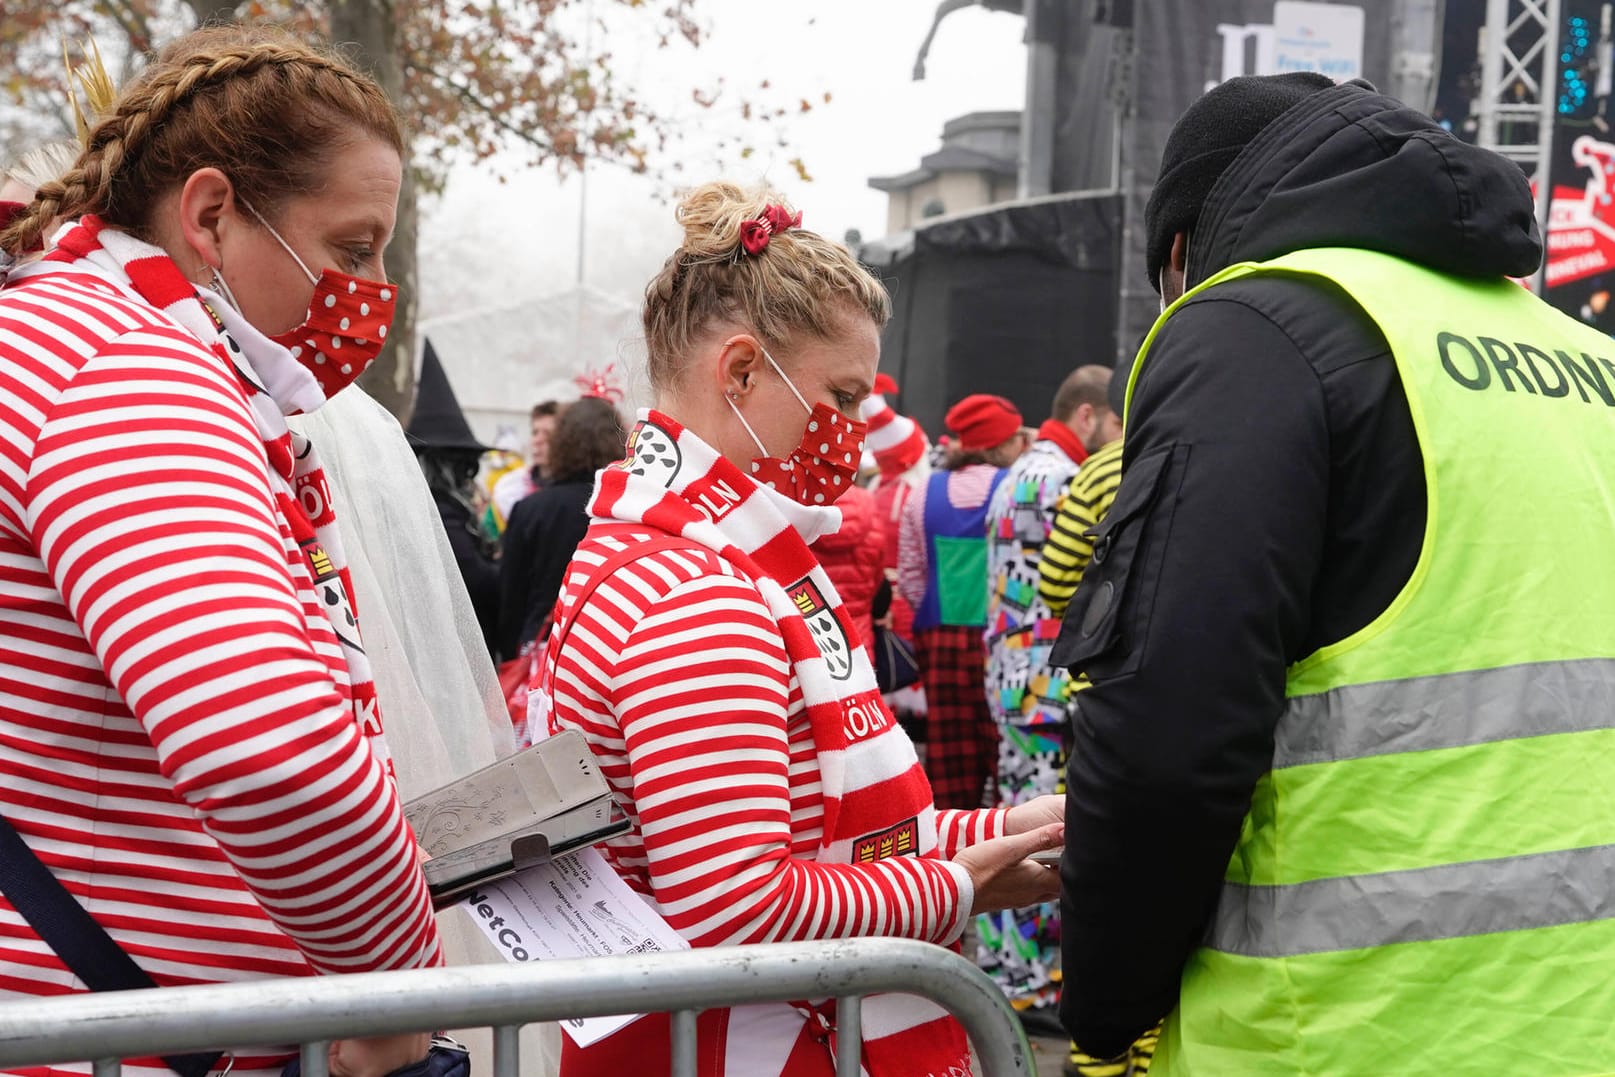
<point>983,422</point>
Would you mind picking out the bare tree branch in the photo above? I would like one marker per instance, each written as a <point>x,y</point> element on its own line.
<point>470,97</point>
<point>132,21</point>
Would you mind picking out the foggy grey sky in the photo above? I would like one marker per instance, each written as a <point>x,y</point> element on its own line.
<point>486,244</point>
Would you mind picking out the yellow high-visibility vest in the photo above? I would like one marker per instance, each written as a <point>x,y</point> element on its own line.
<point>1425,883</point>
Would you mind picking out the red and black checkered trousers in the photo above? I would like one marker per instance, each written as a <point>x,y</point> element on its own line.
<point>961,746</point>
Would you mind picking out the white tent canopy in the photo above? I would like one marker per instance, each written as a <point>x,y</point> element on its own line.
<point>503,361</point>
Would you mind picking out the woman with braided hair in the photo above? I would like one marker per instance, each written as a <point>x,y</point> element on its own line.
<point>189,737</point>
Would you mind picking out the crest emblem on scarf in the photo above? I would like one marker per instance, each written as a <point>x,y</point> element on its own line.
<point>327,580</point>
<point>900,840</point>
<point>827,633</point>
<point>652,454</point>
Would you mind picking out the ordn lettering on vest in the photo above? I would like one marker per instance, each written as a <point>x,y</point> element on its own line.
<point>1488,363</point>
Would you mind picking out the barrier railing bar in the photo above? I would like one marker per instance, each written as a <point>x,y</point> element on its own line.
<point>683,1043</point>
<point>315,1059</point>
<point>849,1033</point>
<point>507,1051</point>
<point>108,1067</point>
<point>177,1020</point>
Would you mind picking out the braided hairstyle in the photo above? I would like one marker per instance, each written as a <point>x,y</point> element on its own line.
<point>800,284</point>
<point>269,111</point>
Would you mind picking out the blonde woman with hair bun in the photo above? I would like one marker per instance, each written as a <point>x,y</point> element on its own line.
<point>706,656</point>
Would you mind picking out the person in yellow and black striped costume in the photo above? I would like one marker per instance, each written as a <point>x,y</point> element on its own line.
<point>1068,548</point>
<point>1065,556</point>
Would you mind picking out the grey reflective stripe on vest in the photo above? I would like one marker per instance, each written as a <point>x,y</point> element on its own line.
<point>1453,900</point>
<point>1454,710</point>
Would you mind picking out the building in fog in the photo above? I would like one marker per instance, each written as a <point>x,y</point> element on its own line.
<point>977,166</point>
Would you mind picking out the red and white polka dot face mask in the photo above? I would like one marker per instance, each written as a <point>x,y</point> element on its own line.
<point>823,465</point>
<point>347,322</point>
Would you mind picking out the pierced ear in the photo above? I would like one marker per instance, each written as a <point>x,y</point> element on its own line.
<point>207,211</point>
<point>739,359</point>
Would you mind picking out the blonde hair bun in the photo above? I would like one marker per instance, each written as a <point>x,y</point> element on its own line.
<point>798,285</point>
<point>713,214</point>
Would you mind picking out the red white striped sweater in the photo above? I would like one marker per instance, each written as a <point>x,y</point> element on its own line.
<point>176,741</point>
<point>676,672</point>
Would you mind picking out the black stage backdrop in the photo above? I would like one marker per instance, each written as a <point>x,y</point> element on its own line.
<point>1009,301</point>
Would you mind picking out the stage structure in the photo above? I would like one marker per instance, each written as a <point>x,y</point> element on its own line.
<point>1106,80</point>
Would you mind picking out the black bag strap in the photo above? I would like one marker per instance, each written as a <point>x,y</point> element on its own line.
<point>82,944</point>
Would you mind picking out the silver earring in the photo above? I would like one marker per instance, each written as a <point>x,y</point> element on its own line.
<point>220,286</point>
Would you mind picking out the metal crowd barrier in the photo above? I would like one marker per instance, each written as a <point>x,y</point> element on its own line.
<point>311,1011</point>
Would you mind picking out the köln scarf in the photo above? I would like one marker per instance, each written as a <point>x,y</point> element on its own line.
<point>275,385</point>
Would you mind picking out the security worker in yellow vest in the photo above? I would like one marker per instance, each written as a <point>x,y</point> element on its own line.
<point>1341,800</point>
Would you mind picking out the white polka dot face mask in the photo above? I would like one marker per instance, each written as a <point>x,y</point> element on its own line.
<point>347,322</point>
<point>823,465</point>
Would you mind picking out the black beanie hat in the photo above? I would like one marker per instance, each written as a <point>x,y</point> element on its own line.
<point>1205,141</point>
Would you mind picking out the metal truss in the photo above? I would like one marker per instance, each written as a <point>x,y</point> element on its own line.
<point>1519,79</point>
<point>1519,89</point>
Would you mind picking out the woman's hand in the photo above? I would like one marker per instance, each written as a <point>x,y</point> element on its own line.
<point>377,1056</point>
<point>1040,811</point>
<point>1004,878</point>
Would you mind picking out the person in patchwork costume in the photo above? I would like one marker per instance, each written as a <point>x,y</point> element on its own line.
<point>1028,697</point>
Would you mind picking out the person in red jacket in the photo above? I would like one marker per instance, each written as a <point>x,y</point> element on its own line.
<point>855,559</point>
<point>902,452</point>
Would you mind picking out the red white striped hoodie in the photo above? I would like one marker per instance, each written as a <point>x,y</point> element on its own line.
<point>773,797</point>
<point>176,736</point>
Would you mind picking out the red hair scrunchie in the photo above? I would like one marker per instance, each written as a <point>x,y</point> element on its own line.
<point>755,234</point>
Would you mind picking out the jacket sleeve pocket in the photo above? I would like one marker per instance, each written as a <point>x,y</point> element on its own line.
<point>1109,615</point>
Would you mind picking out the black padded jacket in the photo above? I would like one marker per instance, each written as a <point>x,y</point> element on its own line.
<point>1272,503</point>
